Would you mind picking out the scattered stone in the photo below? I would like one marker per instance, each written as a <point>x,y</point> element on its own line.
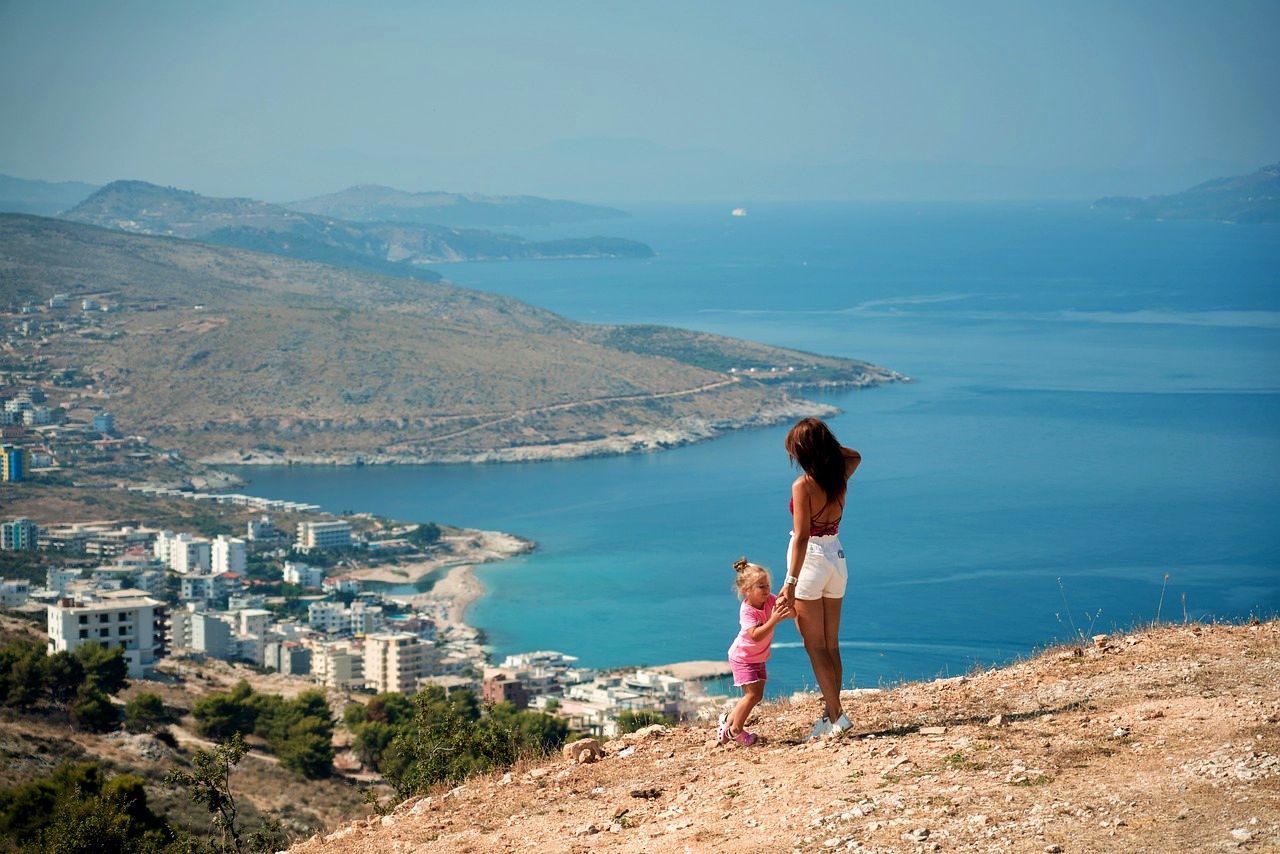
<point>932,730</point>
<point>648,794</point>
<point>647,732</point>
<point>625,752</point>
<point>1241,835</point>
<point>1053,849</point>
<point>1101,641</point>
<point>1120,732</point>
<point>919,834</point>
<point>583,750</point>
<point>998,720</point>
<point>539,772</point>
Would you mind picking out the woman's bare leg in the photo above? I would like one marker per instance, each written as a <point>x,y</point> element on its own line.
<point>831,640</point>
<point>811,621</point>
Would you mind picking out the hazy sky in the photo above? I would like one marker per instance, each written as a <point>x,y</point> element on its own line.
<point>649,100</point>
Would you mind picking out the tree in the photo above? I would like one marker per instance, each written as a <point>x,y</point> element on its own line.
<point>308,748</point>
<point>106,668</point>
<point>93,711</point>
<point>146,713</point>
<point>79,809</point>
<point>65,675</point>
<point>425,534</point>
<point>209,784</point>
<point>221,716</point>
<point>22,673</point>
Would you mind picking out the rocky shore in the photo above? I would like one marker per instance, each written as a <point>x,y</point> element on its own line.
<point>684,431</point>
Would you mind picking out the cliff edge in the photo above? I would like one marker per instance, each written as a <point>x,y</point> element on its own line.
<point>1167,739</point>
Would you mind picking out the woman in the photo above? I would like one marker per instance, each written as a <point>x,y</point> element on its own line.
<point>816,571</point>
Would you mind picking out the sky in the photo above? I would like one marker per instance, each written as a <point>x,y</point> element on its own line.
<point>652,101</point>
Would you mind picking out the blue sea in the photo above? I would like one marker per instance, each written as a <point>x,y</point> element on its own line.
<point>1091,439</point>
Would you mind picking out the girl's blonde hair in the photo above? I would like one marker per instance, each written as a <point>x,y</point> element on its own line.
<point>747,574</point>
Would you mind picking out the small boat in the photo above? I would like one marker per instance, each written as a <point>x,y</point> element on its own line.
<point>739,211</point>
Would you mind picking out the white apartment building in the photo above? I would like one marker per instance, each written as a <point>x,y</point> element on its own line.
<point>303,575</point>
<point>326,617</point>
<point>338,665</point>
<point>394,661</point>
<point>229,554</point>
<point>56,579</point>
<point>287,657</point>
<point>364,619</point>
<point>127,619</point>
<point>253,621</point>
<point>322,535</point>
<point>14,592</point>
<point>204,633</point>
<point>183,553</point>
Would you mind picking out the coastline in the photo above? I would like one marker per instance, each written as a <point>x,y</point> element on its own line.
<point>684,432</point>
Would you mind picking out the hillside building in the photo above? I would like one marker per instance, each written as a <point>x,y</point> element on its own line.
<point>322,535</point>
<point>394,661</point>
<point>125,619</point>
<point>13,464</point>
<point>228,554</point>
<point>19,535</point>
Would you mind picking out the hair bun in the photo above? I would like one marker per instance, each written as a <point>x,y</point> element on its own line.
<point>740,564</point>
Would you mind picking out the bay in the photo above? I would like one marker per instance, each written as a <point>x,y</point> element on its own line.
<point>1095,407</point>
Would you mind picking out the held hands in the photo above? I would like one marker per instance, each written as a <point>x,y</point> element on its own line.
<point>784,608</point>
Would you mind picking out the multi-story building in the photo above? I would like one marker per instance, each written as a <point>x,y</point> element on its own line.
<point>262,529</point>
<point>104,422</point>
<point>183,553</point>
<point>253,621</point>
<point>341,584</point>
<point>364,619</point>
<point>288,657</point>
<point>228,554</point>
<point>322,535</point>
<point>504,686</point>
<point>124,619</point>
<point>18,535</point>
<point>338,665</point>
<point>57,579</point>
<point>394,661</point>
<point>303,575</point>
<point>326,617</point>
<point>13,465</point>
<point>14,592</point>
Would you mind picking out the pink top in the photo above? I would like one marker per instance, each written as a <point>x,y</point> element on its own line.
<point>744,650</point>
<point>818,529</point>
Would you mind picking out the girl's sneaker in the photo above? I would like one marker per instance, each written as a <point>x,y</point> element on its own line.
<point>821,729</point>
<point>722,731</point>
<point>746,739</point>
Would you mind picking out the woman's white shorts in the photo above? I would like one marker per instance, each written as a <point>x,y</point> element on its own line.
<point>823,575</point>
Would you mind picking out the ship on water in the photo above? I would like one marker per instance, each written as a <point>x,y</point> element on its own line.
<point>739,211</point>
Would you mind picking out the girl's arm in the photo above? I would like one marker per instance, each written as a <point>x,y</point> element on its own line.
<point>780,612</point>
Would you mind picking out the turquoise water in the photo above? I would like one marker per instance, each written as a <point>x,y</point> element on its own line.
<point>1096,405</point>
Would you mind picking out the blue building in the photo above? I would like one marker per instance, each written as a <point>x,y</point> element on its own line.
<point>104,422</point>
<point>13,464</point>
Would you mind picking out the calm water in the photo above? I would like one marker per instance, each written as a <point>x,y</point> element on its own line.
<point>1097,404</point>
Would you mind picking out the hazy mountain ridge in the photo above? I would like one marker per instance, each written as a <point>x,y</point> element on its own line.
<point>307,361</point>
<point>43,198</point>
<point>373,202</point>
<point>1240,198</point>
<point>143,208</point>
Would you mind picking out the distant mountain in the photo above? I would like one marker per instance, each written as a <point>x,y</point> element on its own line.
<point>373,203</point>
<point>1242,198</point>
<point>19,195</point>
<point>399,248</point>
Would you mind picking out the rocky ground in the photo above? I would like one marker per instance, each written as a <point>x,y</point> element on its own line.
<point>1163,740</point>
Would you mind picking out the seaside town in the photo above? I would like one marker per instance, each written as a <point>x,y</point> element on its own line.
<point>306,600</point>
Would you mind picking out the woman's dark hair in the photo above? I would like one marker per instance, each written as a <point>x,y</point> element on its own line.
<point>813,447</point>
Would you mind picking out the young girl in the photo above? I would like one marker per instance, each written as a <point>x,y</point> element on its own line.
<point>759,614</point>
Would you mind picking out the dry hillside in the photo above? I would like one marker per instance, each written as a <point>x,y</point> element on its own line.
<point>1163,740</point>
<point>224,353</point>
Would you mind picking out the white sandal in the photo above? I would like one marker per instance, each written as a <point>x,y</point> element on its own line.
<point>821,729</point>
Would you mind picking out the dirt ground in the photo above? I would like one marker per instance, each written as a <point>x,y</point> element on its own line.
<point>1162,740</point>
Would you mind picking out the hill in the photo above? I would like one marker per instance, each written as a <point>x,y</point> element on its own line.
<point>372,203</point>
<point>235,356</point>
<point>395,248</point>
<point>1242,198</point>
<point>46,198</point>
<point>1164,740</point>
